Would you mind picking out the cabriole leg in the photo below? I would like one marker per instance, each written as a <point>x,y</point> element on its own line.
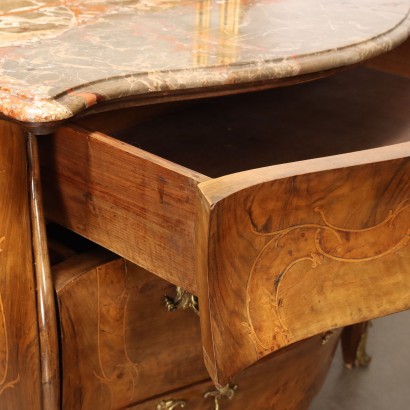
<point>354,340</point>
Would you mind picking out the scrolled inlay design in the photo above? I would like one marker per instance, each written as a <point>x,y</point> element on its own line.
<point>294,257</point>
<point>5,383</point>
<point>119,377</point>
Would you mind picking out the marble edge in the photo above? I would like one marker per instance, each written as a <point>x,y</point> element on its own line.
<point>27,110</point>
<point>67,105</point>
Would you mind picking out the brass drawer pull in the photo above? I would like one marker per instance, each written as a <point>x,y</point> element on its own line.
<point>228,391</point>
<point>183,300</point>
<point>170,404</point>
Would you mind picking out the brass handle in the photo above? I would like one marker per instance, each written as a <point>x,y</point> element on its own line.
<point>182,300</point>
<point>170,404</point>
<point>228,391</point>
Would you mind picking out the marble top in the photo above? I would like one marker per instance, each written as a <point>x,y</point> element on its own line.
<point>60,57</point>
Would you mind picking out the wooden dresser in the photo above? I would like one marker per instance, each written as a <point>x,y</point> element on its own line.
<point>216,220</point>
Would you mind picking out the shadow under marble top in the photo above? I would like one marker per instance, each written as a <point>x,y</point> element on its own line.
<point>60,57</point>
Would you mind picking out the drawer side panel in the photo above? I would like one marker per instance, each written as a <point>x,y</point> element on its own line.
<point>129,201</point>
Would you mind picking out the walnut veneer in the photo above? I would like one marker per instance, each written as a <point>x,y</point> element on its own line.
<point>285,212</point>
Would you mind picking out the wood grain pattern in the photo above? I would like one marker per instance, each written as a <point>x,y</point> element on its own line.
<point>144,213</point>
<point>119,343</point>
<point>20,386</point>
<point>297,255</point>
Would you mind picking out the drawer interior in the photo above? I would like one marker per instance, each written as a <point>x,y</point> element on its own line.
<point>354,110</point>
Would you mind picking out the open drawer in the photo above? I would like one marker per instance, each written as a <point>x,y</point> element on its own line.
<point>315,241</point>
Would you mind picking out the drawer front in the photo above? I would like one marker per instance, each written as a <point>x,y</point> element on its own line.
<point>290,256</point>
<point>286,381</point>
<point>119,343</point>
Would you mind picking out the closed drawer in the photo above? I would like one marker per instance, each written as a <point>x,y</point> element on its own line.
<point>278,253</point>
<point>286,381</point>
<point>119,343</point>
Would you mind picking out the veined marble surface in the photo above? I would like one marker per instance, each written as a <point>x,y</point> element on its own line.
<point>59,57</point>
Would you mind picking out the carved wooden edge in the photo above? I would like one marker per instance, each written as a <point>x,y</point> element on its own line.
<point>74,267</point>
<point>215,190</point>
<point>212,194</point>
<point>46,307</point>
<point>202,245</point>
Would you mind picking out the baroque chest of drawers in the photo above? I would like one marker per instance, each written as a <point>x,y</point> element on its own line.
<point>281,215</point>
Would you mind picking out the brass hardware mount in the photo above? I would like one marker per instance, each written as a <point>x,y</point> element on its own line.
<point>170,404</point>
<point>327,336</point>
<point>183,300</point>
<point>228,391</point>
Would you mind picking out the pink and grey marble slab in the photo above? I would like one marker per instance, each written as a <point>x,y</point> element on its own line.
<point>58,58</point>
